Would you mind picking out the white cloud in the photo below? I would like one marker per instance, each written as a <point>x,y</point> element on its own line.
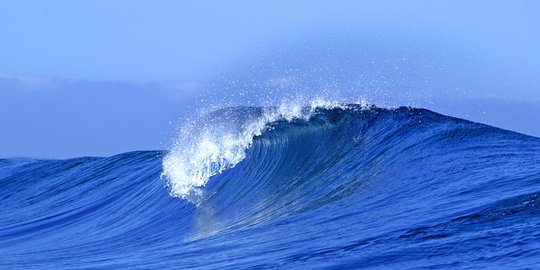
<point>29,81</point>
<point>183,89</point>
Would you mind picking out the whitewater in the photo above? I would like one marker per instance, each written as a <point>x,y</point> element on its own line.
<point>322,185</point>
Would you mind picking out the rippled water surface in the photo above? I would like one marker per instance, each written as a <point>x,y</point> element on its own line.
<point>322,187</point>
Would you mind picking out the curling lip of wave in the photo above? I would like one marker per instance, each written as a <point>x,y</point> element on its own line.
<point>218,142</point>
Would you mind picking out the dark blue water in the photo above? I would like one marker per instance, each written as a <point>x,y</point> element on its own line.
<point>344,188</point>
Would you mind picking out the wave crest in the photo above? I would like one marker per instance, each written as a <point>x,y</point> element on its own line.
<point>218,141</point>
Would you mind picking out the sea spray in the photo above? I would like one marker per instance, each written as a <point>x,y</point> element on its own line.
<point>211,144</point>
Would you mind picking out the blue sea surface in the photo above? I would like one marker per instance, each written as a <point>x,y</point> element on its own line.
<point>346,187</point>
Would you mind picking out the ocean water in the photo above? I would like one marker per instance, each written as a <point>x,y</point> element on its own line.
<point>324,186</point>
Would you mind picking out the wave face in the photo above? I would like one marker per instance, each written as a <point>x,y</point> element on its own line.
<point>323,187</point>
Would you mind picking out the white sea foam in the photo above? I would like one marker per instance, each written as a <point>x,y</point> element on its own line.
<point>206,148</point>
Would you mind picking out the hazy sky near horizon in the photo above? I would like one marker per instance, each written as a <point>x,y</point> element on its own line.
<point>103,77</point>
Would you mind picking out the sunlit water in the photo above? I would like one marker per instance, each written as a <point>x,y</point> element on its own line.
<point>323,186</point>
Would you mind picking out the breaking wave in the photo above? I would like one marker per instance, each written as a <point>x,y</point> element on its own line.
<point>326,185</point>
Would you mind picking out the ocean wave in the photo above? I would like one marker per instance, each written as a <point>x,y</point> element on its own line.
<point>324,185</point>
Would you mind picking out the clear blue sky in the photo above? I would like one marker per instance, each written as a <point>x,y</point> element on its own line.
<point>103,77</point>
